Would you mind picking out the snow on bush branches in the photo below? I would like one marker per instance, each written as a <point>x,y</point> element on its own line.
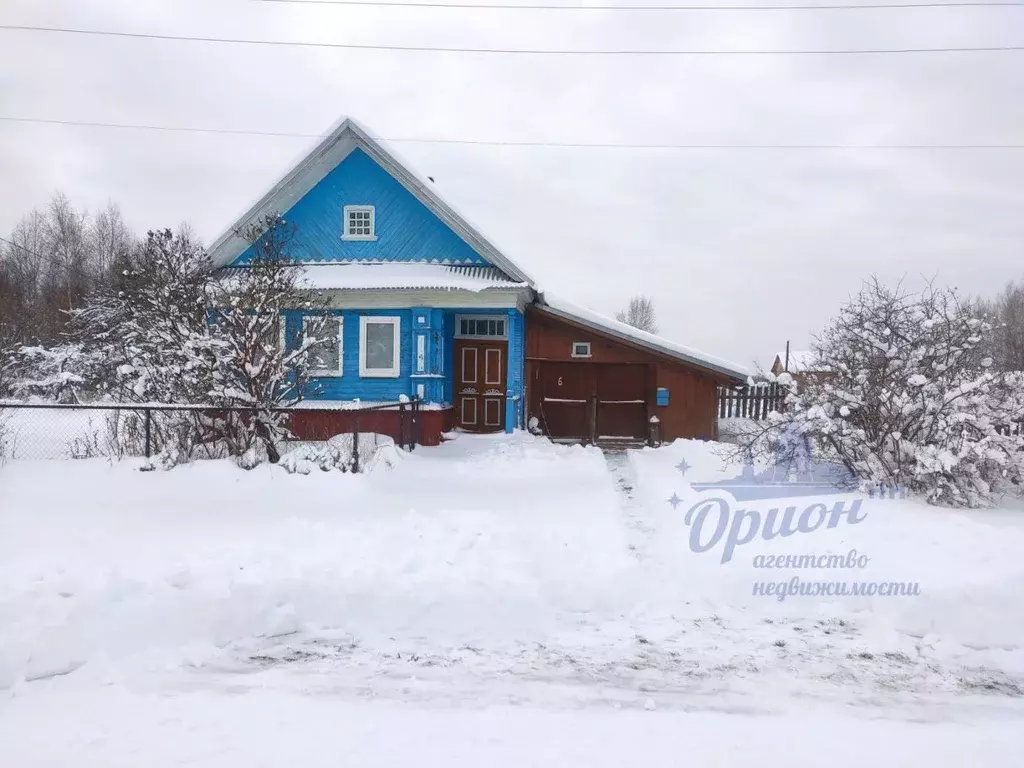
<point>907,398</point>
<point>174,331</point>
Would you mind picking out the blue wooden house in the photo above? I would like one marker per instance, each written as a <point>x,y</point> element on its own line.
<point>422,305</point>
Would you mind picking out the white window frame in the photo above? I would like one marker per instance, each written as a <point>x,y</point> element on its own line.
<point>575,347</point>
<point>460,335</point>
<point>325,372</point>
<point>346,234</point>
<point>396,328</point>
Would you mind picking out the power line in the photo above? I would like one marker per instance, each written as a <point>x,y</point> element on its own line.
<point>514,51</point>
<point>497,143</point>
<point>48,259</point>
<point>655,8</point>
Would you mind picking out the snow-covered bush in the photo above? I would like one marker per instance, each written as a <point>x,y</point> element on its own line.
<point>255,366</point>
<point>176,332</point>
<point>61,373</point>
<point>906,398</point>
<point>339,453</point>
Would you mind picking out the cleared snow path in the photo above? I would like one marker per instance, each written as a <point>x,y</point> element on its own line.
<point>639,531</point>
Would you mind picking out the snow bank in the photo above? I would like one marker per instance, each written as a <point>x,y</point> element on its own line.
<point>488,570</point>
<point>966,563</point>
<point>111,562</point>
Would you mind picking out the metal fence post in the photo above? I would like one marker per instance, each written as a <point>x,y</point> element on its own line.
<point>415,437</point>
<point>401,425</point>
<point>148,431</point>
<point>355,444</point>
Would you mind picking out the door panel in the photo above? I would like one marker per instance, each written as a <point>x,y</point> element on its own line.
<point>566,394</point>
<point>493,373</point>
<point>622,401</point>
<point>480,384</point>
<point>469,358</point>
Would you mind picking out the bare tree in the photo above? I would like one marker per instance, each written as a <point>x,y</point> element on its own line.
<point>110,242</point>
<point>52,261</point>
<point>639,314</point>
<point>1006,314</point>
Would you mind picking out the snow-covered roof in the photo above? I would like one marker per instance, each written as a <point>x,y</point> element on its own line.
<point>324,157</point>
<point>367,277</point>
<point>799,362</point>
<point>628,333</point>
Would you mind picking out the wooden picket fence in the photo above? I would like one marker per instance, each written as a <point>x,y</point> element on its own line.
<point>753,402</point>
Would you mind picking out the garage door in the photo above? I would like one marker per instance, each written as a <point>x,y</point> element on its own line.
<point>566,391</point>
<point>580,400</point>
<point>621,402</point>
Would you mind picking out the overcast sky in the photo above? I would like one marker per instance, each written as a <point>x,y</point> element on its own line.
<point>741,249</point>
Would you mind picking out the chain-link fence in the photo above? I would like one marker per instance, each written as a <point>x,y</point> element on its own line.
<point>348,436</point>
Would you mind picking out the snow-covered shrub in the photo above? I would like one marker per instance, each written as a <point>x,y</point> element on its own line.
<point>176,332</point>
<point>59,374</point>
<point>151,329</point>
<point>339,452</point>
<point>906,398</point>
<point>255,366</point>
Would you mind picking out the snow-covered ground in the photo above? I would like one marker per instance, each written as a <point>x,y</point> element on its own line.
<point>495,600</point>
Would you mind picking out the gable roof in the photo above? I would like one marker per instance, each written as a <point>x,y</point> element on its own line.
<point>799,361</point>
<point>324,158</point>
<point>627,333</point>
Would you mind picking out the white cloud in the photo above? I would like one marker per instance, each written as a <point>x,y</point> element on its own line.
<point>741,249</point>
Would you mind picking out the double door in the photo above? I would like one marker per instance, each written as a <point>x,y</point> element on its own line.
<point>481,371</point>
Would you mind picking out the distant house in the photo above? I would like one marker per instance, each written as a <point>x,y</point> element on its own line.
<point>423,305</point>
<point>799,364</point>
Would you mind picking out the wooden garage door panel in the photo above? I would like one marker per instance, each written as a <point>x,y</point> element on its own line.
<point>566,420</point>
<point>621,421</point>
<point>566,391</point>
<point>622,401</point>
<point>622,382</point>
<point>567,381</point>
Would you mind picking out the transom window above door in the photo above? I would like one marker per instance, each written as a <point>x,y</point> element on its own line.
<point>359,223</point>
<point>481,327</point>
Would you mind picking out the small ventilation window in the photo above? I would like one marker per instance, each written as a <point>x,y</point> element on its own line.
<point>359,223</point>
<point>581,349</point>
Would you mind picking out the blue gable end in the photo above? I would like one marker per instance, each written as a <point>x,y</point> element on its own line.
<point>406,230</point>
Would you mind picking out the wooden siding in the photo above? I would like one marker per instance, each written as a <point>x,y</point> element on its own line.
<point>692,407</point>
<point>406,230</point>
<point>437,326</point>
<point>321,424</point>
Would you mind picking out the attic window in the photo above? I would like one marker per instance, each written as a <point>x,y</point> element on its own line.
<point>359,224</point>
<point>581,349</point>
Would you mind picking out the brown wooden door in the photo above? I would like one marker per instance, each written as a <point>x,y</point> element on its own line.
<point>588,401</point>
<point>481,369</point>
<point>622,393</point>
<point>566,399</point>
